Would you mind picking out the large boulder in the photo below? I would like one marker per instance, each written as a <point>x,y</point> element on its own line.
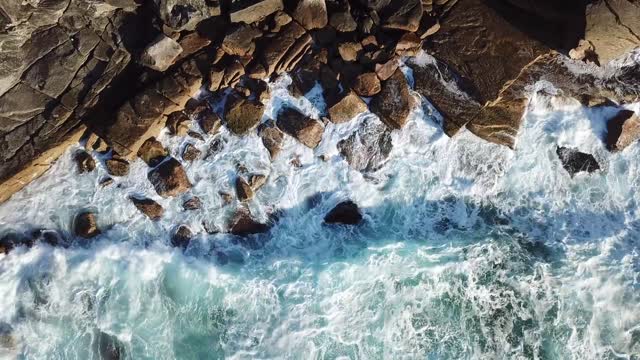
<point>403,15</point>
<point>282,52</point>
<point>575,161</point>
<point>242,114</point>
<point>85,225</point>
<point>368,147</point>
<point>240,41</point>
<point>347,108</point>
<point>367,84</point>
<point>311,14</point>
<point>117,166</point>
<point>306,130</point>
<point>169,178</point>
<point>346,213</point>
<point>394,102</point>
<point>150,208</point>
<point>623,130</point>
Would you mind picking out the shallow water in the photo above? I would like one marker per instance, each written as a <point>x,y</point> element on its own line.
<point>468,250</point>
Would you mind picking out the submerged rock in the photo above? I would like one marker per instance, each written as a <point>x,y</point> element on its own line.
<point>256,181</point>
<point>150,208</point>
<point>109,347</point>
<point>243,224</point>
<point>368,147</point>
<point>394,102</point>
<point>575,161</point>
<point>181,237</point>
<point>192,204</point>
<point>306,130</point>
<point>84,161</point>
<point>85,225</point>
<point>347,213</point>
<point>190,153</point>
<point>623,130</point>
<point>169,178</point>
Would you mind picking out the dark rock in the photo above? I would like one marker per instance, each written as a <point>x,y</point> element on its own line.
<point>109,347</point>
<point>181,237</point>
<point>190,153</point>
<point>169,178</point>
<point>253,10</point>
<point>272,138</point>
<point>575,161</point>
<point>303,128</point>
<point>403,15</point>
<point>85,225</point>
<point>243,190</point>
<point>152,152</point>
<point>347,108</point>
<point>117,167</point>
<point>284,51</point>
<point>622,130</point>
<point>341,18</point>
<point>368,147</point>
<point>367,84</point>
<point>241,114</point>
<point>311,14</point>
<point>240,41</point>
<point>243,224</point>
<point>106,181</point>
<point>193,203</point>
<point>210,122</point>
<point>84,161</point>
<point>150,208</point>
<point>178,123</point>
<point>346,213</point>
<point>394,103</point>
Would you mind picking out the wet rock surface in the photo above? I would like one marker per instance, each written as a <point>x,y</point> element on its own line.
<point>623,130</point>
<point>346,213</point>
<point>575,161</point>
<point>306,130</point>
<point>85,225</point>
<point>150,208</point>
<point>368,147</point>
<point>169,178</point>
<point>243,224</point>
<point>394,103</point>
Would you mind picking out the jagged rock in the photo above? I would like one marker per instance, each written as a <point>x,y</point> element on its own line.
<point>303,128</point>
<point>250,11</point>
<point>193,203</point>
<point>284,51</point>
<point>84,161</point>
<point>408,45</point>
<point>190,153</point>
<point>622,130</point>
<point>346,213</point>
<point>152,152</point>
<point>240,41</point>
<point>311,14</point>
<point>169,178</point>
<point>178,123</point>
<point>243,224</point>
<point>349,50</point>
<point>404,15</point>
<point>85,225</point>
<point>243,189</point>
<point>192,43</point>
<point>161,53</point>
<point>394,103</point>
<point>367,84</point>
<point>241,114</point>
<point>585,52</point>
<point>256,181</point>
<point>613,27</point>
<point>150,208</point>
<point>347,108</point>
<point>181,237</point>
<point>186,14</point>
<point>575,161</point>
<point>368,147</point>
<point>117,166</point>
<point>272,138</point>
<point>210,122</point>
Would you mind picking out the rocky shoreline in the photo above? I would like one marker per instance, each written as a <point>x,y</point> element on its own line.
<point>112,74</point>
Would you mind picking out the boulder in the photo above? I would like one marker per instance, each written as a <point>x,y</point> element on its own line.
<point>243,189</point>
<point>394,103</point>
<point>169,178</point>
<point>575,161</point>
<point>190,153</point>
<point>346,213</point>
<point>403,15</point>
<point>161,53</point>
<point>256,181</point>
<point>84,161</point>
<point>306,130</point>
<point>349,50</point>
<point>282,52</point>
<point>178,123</point>
<point>585,52</point>
<point>150,208</point>
<point>250,11</point>
<point>386,69</point>
<point>209,122</point>
<point>243,224</point>
<point>152,152</point>
<point>408,45</point>
<point>367,84</point>
<point>347,108</point>
<point>242,114</point>
<point>622,130</point>
<point>311,14</point>
<point>85,225</point>
<point>272,138</point>
<point>368,147</point>
<point>117,167</point>
<point>181,237</point>
<point>182,15</point>
<point>193,203</point>
<point>240,41</point>
<point>341,19</point>
<point>109,347</point>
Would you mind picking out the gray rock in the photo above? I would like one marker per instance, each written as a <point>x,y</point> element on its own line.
<point>368,147</point>
<point>161,53</point>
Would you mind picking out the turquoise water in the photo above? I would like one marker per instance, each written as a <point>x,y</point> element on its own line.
<point>468,250</point>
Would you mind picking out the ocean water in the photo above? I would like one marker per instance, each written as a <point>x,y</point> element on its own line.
<point>468,250</point>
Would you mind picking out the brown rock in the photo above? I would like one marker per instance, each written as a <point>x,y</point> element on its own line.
<point>243,224</point>
<point>284,51</point>
<point>385,70</point>
<point>192,204</point>
<point>253,10</point>
<point>367,84</point>
<point>585,52</point>
<point>623,130</point>
<point>256,181</point>
<point>242,115</point>
<point>349,50</point>
<point>190,153</point>
<point>210,122</point>
<point>394,103</point>
<point>304,129</point>
<point>152,152</point>
<point>243,190</point>
<point>215,78</point>
<point>150,208</point>
<point>192,43</point>
<point>226,198</point>
<point>181,237</point>
<point>347,108</point>
<point>311,14</point>
<point>406,15</point>
<point>117,167</point>
<point>85,225</point>
<point>178,123</point>
<point>272,138</point>
<point>84,161</point>
<point>408,45</point>
<point>346,213</point>
<point>240,41</point>
<point>169,178</point>
<point>341,18</point>
<point>613,27</point>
